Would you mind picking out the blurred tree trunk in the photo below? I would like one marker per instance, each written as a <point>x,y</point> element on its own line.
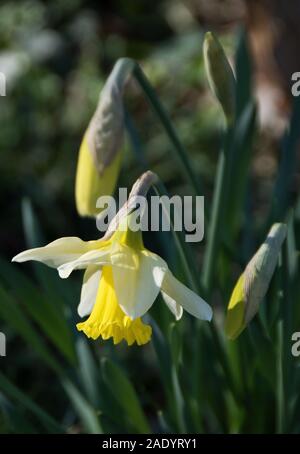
<point>274,33</point>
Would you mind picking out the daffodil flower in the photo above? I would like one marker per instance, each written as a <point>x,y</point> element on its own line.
<point>122,279</point>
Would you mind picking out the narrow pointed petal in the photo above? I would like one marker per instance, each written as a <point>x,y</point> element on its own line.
<point>58,252</point>
<point>137,279</point>
<point>90,285</point>
<point>174,307</point>
<point>98,257</point>
<point>185,297</point>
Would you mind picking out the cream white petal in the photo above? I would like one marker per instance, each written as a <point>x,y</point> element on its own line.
<point>96,257</point>
<point>89,289</point>
<point>185,297</point>
<point>58,252</point>
<point>137,279</point>
<point>174,307</point>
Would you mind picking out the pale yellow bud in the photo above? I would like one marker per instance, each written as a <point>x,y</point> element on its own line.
<point>254,282</point>
<point>99,155</point>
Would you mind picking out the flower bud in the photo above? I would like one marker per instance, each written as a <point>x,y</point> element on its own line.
<point>100,152</point>
<point>220,75</point>
<point>254,282</point>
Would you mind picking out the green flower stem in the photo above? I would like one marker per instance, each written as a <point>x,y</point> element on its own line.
<point>180,404</point>
<point>283,347</point>
<point>186,256</point>
<point>280,380</point>
<point>191,274</point>
<point>169,128</point>
<point>217,214</point>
